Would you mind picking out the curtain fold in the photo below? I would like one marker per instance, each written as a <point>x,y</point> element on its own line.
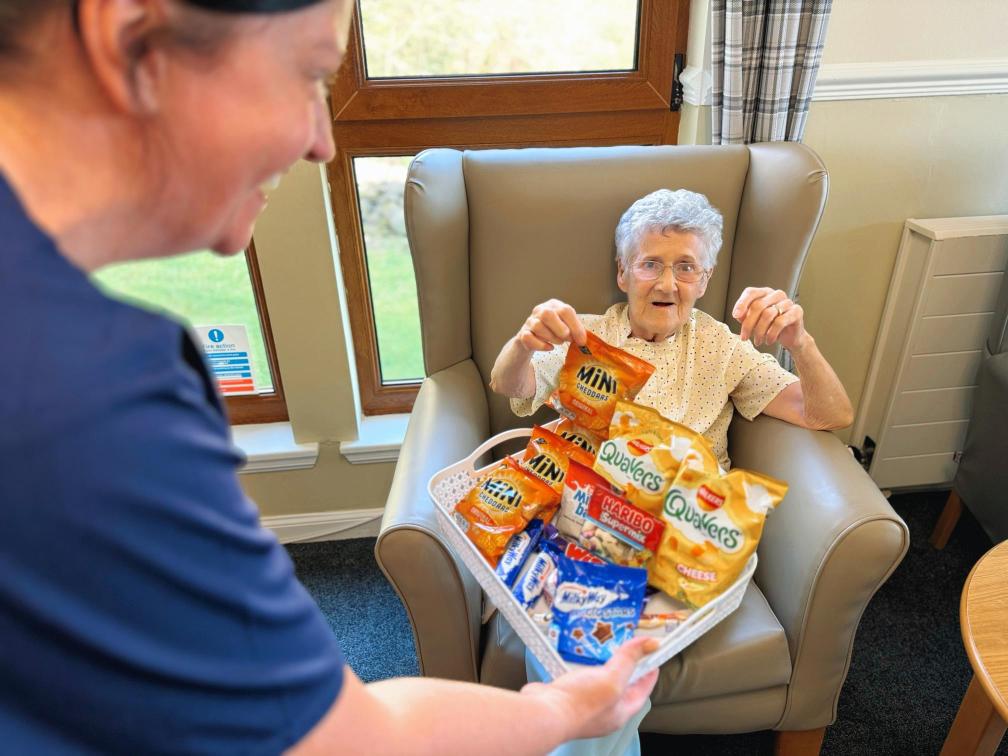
<point>765,55</point>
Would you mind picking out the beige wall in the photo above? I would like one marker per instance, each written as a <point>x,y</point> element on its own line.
<point>895,159</point>
<point>869,30</point>
<point>302,281</point>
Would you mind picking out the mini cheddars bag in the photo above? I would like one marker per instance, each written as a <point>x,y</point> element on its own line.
<point>547,456</point>
<point>500,505</point>
<point>568,430</point>
<point>593,378</point>
<point>712,524</point>
<point>644,452</point>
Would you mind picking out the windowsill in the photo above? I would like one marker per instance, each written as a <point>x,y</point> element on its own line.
<point>379,439</point>
<point>270,447</point>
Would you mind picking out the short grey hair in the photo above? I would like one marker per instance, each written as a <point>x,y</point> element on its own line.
<point>666,210</point>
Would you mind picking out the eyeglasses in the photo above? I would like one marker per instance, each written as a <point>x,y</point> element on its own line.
<point>652,270</point>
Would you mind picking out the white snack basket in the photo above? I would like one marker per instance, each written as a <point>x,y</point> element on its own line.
<point>452,483</point>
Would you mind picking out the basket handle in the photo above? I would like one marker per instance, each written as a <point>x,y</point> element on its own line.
<point>493,441</point>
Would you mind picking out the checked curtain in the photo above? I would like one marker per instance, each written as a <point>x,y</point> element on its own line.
<point>765,56</point>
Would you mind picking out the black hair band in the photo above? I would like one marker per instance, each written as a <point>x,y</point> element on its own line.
<point>252,6</point>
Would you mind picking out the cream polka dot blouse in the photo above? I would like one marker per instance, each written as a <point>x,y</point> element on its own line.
<point>701,372</point>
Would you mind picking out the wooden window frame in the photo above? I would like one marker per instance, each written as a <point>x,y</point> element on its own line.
<point>390,117</point>
<point>260,408</point>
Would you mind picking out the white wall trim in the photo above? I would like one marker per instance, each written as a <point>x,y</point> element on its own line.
<point>325,526</point>
<point>270,447</point>
<point>379,439</point>
<point>911,78</point>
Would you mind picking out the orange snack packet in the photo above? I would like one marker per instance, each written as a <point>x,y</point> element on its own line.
<point>500,505</point>
<point>712,524</point>
<point>645,451</point>
<point>568,430</point>
<point>593,378</point>
<point>547,457</point>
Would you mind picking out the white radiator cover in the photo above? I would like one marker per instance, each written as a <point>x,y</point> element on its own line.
<point>919,391</point>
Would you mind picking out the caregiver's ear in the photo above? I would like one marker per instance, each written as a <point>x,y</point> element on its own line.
<point>120,42</point>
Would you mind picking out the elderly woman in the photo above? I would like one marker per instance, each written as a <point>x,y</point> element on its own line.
<point>667,245</point>
<point>142,607</point>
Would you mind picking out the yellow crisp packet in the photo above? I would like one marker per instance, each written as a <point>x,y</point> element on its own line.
<point>712,524</point>
<point>644,452</point>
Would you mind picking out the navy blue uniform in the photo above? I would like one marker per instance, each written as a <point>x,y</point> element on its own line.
<point>143,609</point>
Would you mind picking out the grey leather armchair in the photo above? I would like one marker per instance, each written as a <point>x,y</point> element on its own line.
<point>493,233</point>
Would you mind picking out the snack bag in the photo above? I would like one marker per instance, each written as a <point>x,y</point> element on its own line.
<point>644,452</point>
<point>570,431</point>
<point>618,531</point>
<point>595,609</point>
<point>579,483</point>
<point>712,524</point>
<point>500,505</point>
<point>593,378</point>
<point>518,550</point>
<point>559,546</point>
<point>540,578</point>
<point>547,457</point>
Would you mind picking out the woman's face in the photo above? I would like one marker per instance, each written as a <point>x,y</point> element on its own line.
<point>658,308</point>
<point>233,125</point>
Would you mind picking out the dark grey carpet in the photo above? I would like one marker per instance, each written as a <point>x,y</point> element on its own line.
<point>907,677</point>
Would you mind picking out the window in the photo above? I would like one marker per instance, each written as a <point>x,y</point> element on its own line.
<point>206,289</point>
<point>474,74</point>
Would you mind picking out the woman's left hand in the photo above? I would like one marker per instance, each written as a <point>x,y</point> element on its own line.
<point>768,316</point>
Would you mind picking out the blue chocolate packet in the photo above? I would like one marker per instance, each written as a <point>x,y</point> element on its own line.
<point>595,609</point>
<point>518,550</point>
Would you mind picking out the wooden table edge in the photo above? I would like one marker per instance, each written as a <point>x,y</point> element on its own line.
<point>979,670</point>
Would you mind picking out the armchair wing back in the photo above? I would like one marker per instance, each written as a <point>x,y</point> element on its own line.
<point>495,232</point>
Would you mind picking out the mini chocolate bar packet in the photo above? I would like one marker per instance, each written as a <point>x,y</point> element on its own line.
<point>518,550</point>
<point>533,581</point>
<point>596,608</point>
<point>579,483</point>
<point>561,546</point>
<point>593,378</point>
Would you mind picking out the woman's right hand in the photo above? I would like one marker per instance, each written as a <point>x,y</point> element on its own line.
<point>551,323</point>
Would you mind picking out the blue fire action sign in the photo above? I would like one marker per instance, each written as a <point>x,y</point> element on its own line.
<point>227,351</point>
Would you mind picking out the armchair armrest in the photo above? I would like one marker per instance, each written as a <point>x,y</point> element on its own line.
<point>826,549</point>
<point>443,601</point>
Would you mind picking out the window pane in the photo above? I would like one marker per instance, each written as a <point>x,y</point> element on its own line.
<point>472,37</point>
<point>380,183</point>
<point>200,289</point>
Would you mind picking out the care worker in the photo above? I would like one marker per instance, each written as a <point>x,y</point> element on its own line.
<point>143,609</point>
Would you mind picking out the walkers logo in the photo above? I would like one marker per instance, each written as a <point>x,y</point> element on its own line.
<point>707,500</point>
<point>699,526</point>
